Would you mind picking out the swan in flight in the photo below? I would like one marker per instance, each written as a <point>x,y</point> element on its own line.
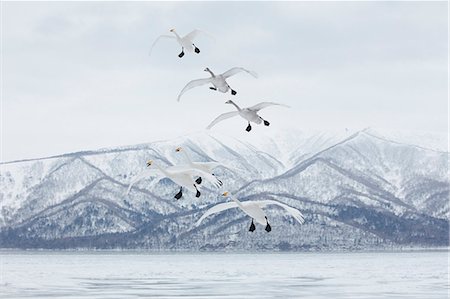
<point>218,81</point>
<point>186,42</point>
<point>181,175</point>
<point>203,166</point>
<point>250,114</point>
<point>252,209</point>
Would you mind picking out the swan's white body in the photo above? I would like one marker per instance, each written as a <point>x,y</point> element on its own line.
<point>252,209</point>
<point>203,166</point>
<point>250,114</point>
<point>186,42</point>
<point>218,81</point>
<point>181,175</point>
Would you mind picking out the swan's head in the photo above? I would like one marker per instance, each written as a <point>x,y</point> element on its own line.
<point>149,163</point>
<point>172,30</point>
<point>225,194</point>
<point>229,102</point>
<point>207,69</point>
<point>178,149</point>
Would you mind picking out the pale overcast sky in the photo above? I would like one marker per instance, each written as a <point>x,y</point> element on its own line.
<point>77,75</point>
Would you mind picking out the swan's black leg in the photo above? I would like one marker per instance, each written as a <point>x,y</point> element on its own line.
<point>182,53</point>
<point>198,192</point>
<point>233,92</point>
<point>252,227</point>
<point>199,180</point>
<point>249,127</point>
<point>179,194</point>
<point>266,123</point>
<point>213,88</point>
<point>268,227</point>
<point>197,50</point>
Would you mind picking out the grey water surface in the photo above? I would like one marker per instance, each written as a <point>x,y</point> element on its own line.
<point>44,274</point>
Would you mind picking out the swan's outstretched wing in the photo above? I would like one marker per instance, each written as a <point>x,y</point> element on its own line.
<point>217,209</point>
<point>194,172</point>
<point>157,39</point>
<point>207,166</point>
<point>263,105</point>
<point>292,211</point>
<point>149,172</point>
<point>222,117</point>
<point>236,70</point>
<point>192,84</point>
<point>210,178</point>
<point>194,33</point>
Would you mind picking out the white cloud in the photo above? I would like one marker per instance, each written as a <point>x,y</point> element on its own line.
<point>77,75</point>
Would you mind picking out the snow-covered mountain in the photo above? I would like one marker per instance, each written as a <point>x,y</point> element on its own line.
<point>357,190</point>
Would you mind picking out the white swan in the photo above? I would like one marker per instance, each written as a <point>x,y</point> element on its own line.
<point>203,166</point>
<point>254,210</point>
<point>250,114</point>
<point>180,174</point>
<point>186,42</point>
<point>218,81</point>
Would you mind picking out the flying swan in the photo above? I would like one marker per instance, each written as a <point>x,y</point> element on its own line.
<point>203,166</point>
<point>218,81</point>
<point>181,175</point>
<point>250,114</point>
<point>254,210</point>
<point>186,42</point>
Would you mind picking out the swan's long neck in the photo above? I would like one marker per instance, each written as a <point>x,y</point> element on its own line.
<point>237,202</point>
<point>212,74</point>
<point>176,34</point>
<point>235,105</point>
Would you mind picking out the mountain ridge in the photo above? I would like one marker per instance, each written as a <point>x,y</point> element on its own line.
<point>360,191</point>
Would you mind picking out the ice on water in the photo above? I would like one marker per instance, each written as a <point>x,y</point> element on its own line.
<point>224,275</point>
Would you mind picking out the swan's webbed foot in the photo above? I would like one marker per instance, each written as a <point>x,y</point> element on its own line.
<point>252,227</point>
<point>268,227</point>
<point>233,92</point>
<point>199,180</point>
<point>198,192</point>
<point>266,123</point>
<point>196,50</point>
<point>213,88</point>
<point>249,128</point>
<point>179,194</point>
<point>181,54</point>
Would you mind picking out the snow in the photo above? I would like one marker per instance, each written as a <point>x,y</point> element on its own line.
<point>320,173</point>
